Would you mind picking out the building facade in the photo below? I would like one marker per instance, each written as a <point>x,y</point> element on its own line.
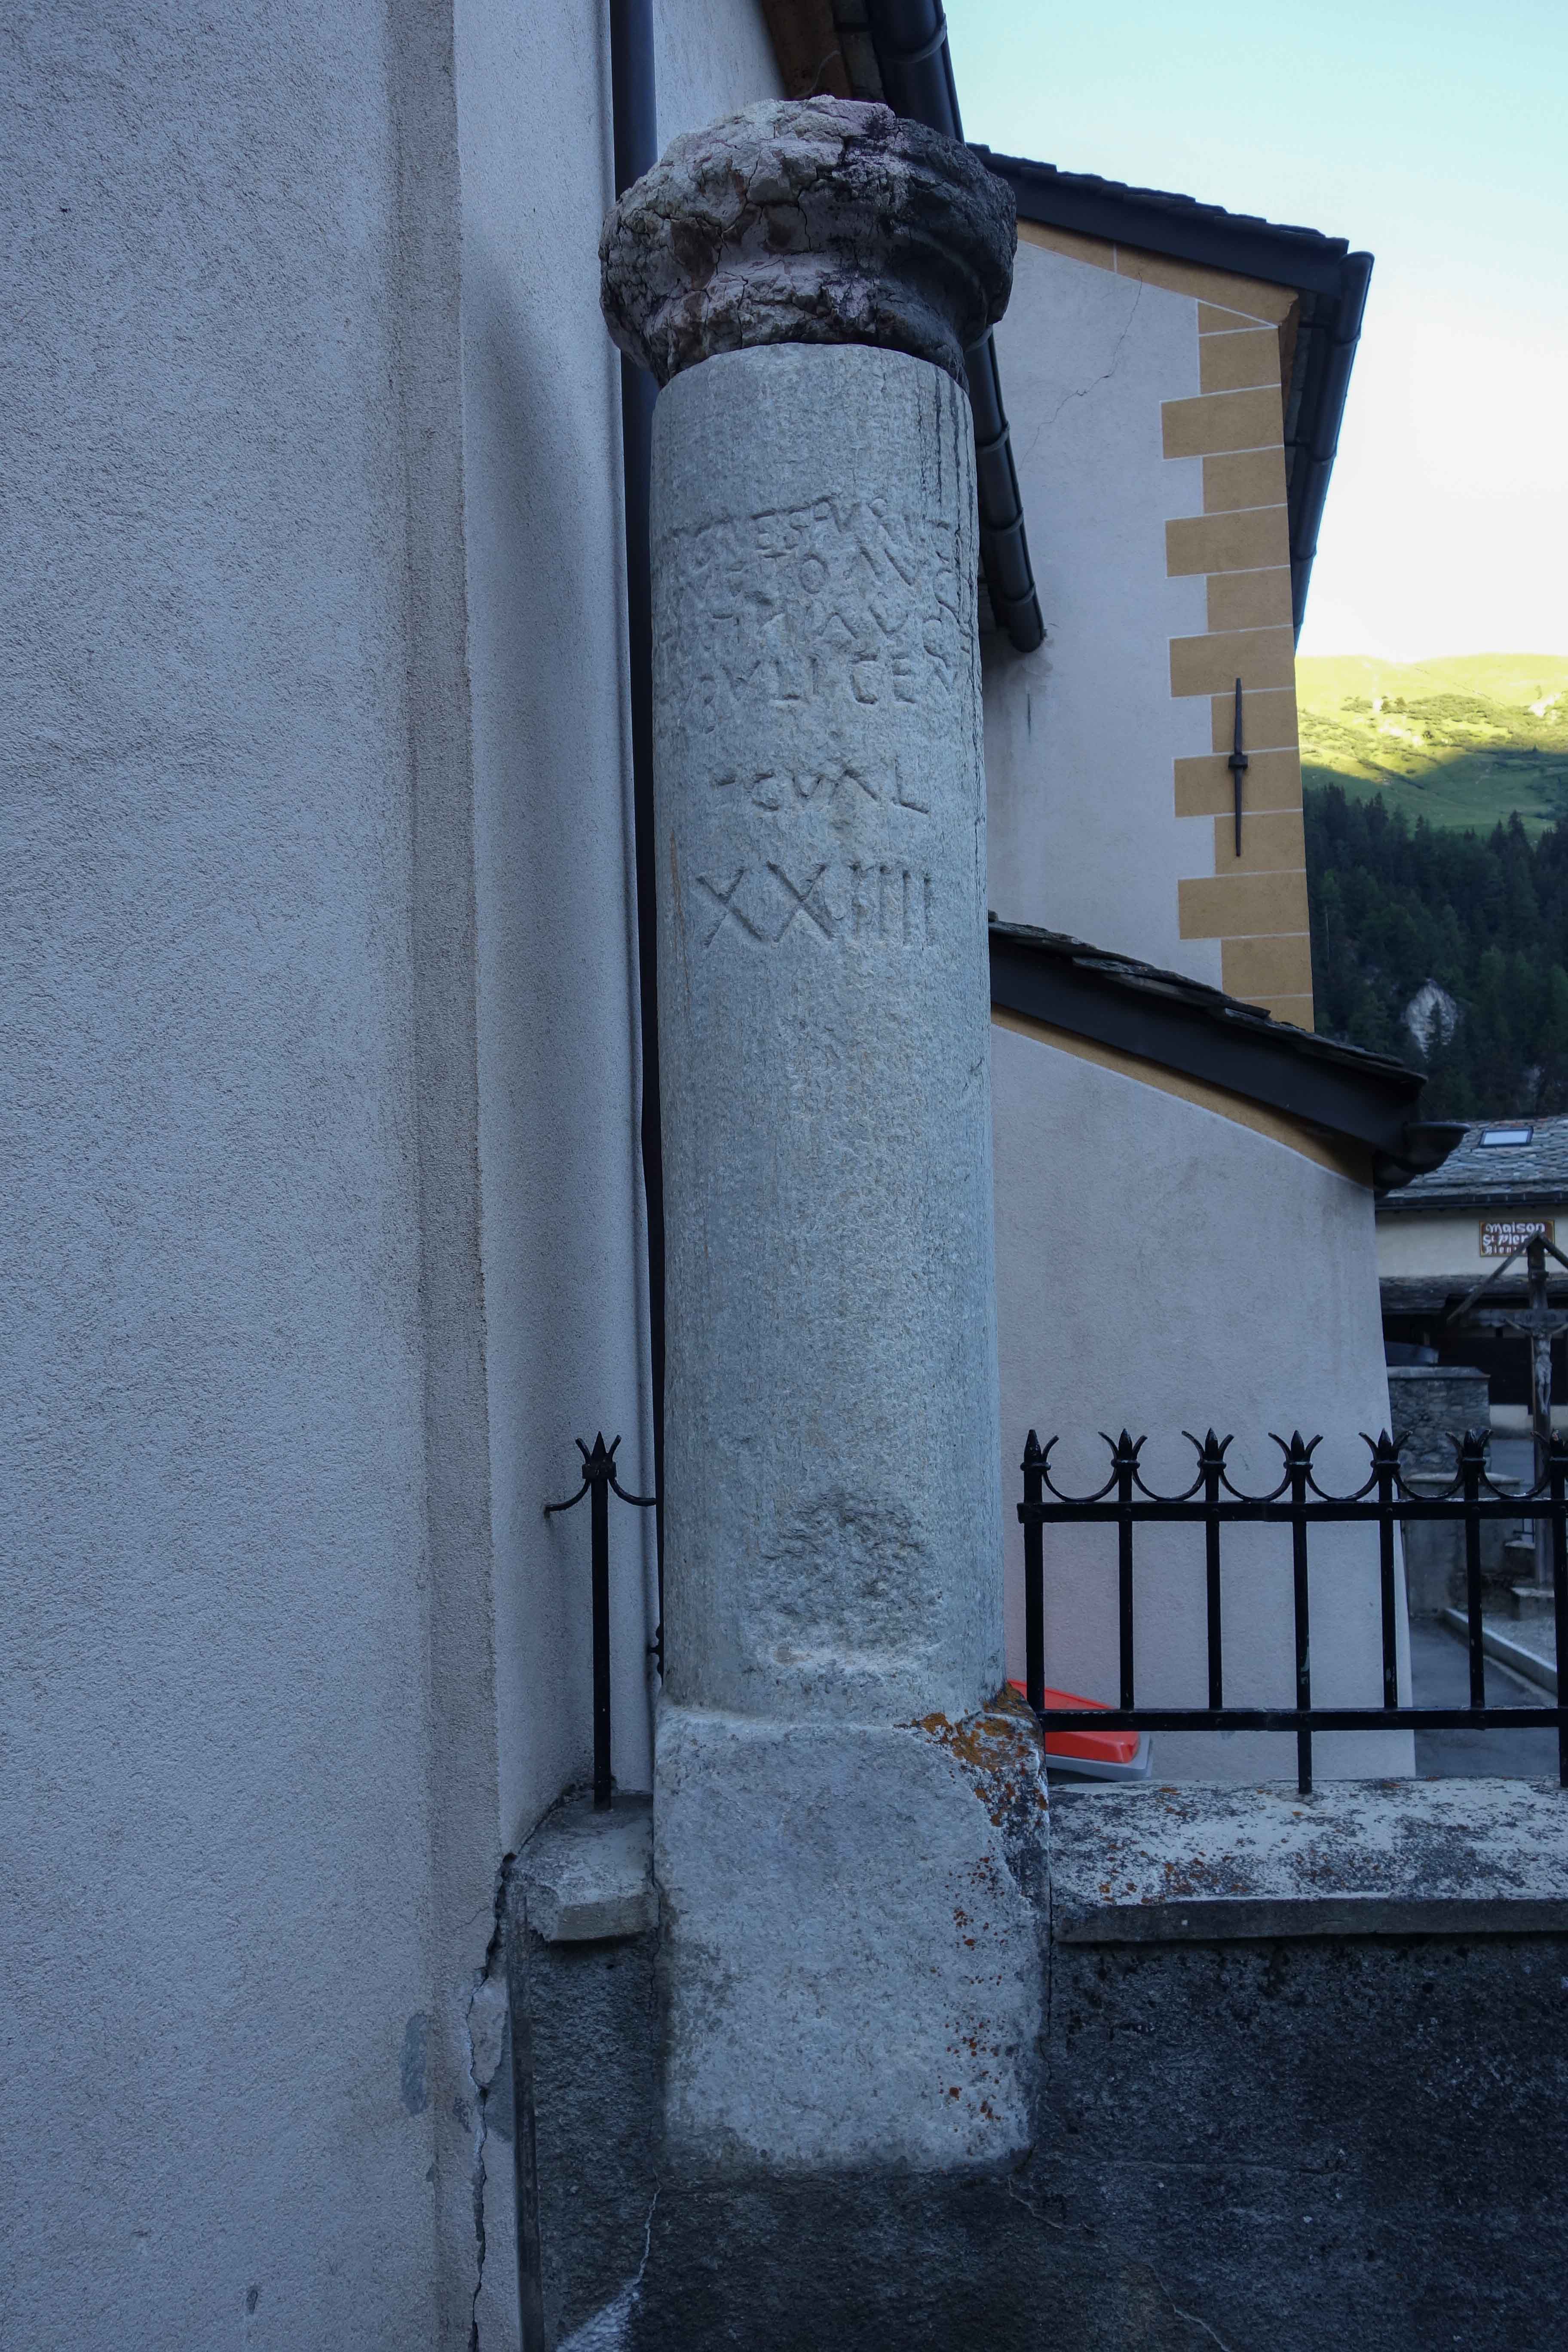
<point>1185,1176</point>
<point>1455,1228</point>
<point>331,1238</point>
<point>1185,1238</point>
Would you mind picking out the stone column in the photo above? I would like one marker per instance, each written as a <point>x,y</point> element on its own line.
<point>838,1803</point>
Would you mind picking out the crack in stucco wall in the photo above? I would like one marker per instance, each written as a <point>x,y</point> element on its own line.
<point>484,2041</point>
<point>1084,390</point>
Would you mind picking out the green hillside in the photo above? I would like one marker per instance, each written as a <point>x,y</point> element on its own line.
<point>1465,741</point>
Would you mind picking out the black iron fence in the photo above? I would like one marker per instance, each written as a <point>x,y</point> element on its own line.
<point>599,1481</point>
<point>1213,1502</point>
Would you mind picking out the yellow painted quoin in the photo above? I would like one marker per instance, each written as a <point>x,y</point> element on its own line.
<point>1254,904</point>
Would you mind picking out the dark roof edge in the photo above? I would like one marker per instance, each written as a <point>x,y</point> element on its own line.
<point>1183,1027</point>
<point>1424,1298</point>
<point>1177,226</point>
<point>1331,280</point>
<point>1526,1200</point>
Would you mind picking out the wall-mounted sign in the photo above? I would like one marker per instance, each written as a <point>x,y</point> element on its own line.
<point>1501,1238</point>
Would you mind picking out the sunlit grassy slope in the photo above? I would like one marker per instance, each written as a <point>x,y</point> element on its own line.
<point>1462,741</point>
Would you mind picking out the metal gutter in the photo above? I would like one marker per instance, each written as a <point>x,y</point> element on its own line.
<point>635,129</point>
<point>1309,457</point>
<point>909,39</point>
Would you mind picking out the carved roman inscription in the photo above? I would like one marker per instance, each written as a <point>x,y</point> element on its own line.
<point>847,902</point>
<point>833,788</point>
<point>851,602</point>
<point>804,658</point>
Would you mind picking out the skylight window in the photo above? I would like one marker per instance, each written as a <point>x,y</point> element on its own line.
<point>1507,1134</point>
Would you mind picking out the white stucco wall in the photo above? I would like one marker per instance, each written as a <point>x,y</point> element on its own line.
<point>565,1244</point>
<point>564,1269</point>
<point>1161,1268</point>
<point>322,1240</point>
<point>710,57</point>
<point>1083,835</point>
<point>249,1837</point>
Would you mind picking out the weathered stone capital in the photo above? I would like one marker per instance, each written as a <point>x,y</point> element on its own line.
<point>811,221</point>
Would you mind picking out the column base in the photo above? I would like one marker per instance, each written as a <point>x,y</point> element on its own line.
<point>854,1924</point>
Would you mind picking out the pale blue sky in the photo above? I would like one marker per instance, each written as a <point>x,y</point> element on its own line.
<point>1435,137</point>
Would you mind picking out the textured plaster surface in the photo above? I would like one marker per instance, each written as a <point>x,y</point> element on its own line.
<point>809,220</point>
<point>852,1941</point>
<point>1437,1242</point>
<point>1080,735</point>
<point>317,912</point>
<point>710,57</point>
<point>1364,1858</point>
<point>1161,1270</point>
<point>565,1242</point>
<point>831,1480</point>
<point>564,1246</point>
<point>250,1812</point>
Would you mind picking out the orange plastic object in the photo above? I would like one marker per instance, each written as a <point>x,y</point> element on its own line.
<point>1091,1746</point>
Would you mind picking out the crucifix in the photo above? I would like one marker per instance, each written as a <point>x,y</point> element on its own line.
<point>1540,1324</point>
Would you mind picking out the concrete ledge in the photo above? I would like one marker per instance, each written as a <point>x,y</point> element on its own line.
<point>1514,1421</point>
<point>586,1876</point>
<point>1361,1858</point>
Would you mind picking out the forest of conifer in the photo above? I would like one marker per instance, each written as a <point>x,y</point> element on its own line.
<point>1482,915</point>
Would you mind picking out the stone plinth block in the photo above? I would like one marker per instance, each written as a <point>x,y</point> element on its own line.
<point>586,1875</point>
<point>832,1479</point>
<point>854,1926</point>
<point>813,221</point>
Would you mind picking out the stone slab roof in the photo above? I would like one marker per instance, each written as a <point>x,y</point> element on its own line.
<point>1161,221</point>
<point>1478,1175</point>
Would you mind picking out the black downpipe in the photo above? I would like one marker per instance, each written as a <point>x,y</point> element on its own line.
<point>909,37</point>
<point>636,129</point>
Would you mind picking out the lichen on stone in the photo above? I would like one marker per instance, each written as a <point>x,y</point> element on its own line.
<point>812,221</point>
